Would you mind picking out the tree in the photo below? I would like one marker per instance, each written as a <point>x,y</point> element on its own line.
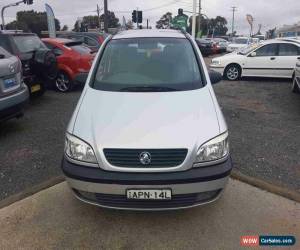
<point>65,28</point>
<point>31,21</point>
<point>92,22</point>
<point>164,21</point>
<point>213,26</point>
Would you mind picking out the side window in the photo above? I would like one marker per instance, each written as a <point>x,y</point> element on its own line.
<point>78,38</point>
<point>4,43</point>
<point>267,50</point>
<point>57,51</point>
<point>286,49</point>
<point>49,46</point>
<point>90,42</point>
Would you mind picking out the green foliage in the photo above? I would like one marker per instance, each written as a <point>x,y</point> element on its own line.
<point>65,28</point>
<point>31,21</point>
<point>213,26</point>
<point>92,22</point>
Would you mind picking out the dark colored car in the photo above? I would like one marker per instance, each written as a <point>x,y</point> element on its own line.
<point>92,40</point>
<point>13,92</point>
<point>206,47</point>
<point>72,58</point>
<point>38,62</point>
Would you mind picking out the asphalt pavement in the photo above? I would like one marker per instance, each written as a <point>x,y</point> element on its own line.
<point>263,118</point>
<point>31,148</point>
<point>54,219</point>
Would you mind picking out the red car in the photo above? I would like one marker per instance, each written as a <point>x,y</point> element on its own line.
<point>72,58</point>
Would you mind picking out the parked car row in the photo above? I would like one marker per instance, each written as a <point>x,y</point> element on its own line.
<point>211,46</point>
<point>28,65</point>
<point>274,58</point>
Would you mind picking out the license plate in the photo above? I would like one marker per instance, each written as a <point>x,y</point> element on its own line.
<point>35,88</point>
<point>147,194</point>
<point>9,83</point>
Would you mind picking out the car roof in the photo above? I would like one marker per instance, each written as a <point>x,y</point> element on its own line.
<point>293,41</point>
<point>58,40</point>
<point>149,33</point>
<point>16,33</point>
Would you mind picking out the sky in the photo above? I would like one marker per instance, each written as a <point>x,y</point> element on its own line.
<point>269,13</point>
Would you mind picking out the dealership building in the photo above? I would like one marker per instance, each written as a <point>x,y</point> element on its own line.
<point>289,30</point>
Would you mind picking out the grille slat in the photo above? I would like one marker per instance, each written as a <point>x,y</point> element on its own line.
<point>159,157</point>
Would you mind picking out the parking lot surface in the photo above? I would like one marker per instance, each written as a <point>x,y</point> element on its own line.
<point>264,123</point>
<point>31,148</point>
<point>54,219</point>
<point>263,117</point>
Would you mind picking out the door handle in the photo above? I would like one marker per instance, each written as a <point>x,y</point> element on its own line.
<point>298,58</point>
<point>273,58</point>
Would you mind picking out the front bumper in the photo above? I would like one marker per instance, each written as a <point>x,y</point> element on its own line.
<point>190,188</point>
<point>13,105</point>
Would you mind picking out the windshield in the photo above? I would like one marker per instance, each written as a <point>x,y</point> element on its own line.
<point>247,50</point>
<point>241,41</point>
<point>148,64</point>
<point>27,44</point>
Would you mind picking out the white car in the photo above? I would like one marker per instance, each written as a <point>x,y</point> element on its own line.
<point>275,58</point>
<point>239,43</point>
<point>296,79</point>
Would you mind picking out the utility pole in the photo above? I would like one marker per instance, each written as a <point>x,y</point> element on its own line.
<point>234,9</point>
<point>98,13</point>
<point>199,21</point>
<point>194,18</point>
<point>105,17</point>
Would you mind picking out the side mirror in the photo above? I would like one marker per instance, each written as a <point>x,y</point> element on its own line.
<point>253,54</point>
<point>215,77</point>
<point>81,78</point>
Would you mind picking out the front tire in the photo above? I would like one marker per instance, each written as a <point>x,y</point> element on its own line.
<point>295,87</point>
<point>63,83</point>
<point>233,72</point>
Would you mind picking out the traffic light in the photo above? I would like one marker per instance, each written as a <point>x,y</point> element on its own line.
<point>140,16</point>
<point>28,2</point>
<point>134,16</point>
<point>137,16</point>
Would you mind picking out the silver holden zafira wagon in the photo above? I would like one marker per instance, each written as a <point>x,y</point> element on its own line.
<point>147,132</point>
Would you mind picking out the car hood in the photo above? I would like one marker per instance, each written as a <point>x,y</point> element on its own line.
<point>229,57</point>
<point>184,119</point>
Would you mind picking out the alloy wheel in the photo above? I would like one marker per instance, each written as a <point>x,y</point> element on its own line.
<point>62,82</point>
<point>232,73</point>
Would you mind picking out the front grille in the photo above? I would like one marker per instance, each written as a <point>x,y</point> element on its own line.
<point>160,158</point>
<point>177,201</point>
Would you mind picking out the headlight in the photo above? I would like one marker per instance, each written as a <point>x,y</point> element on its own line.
<point>79,150</point>
<point>214,149</point>
<point>215,62</point>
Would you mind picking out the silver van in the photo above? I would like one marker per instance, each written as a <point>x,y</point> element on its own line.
<point>13,92</point>
<point>147,132</point>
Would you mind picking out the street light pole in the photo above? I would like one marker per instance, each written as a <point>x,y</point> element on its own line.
<point>105,17</point>
<point>199,21</point>
<point>194,18</point>
<point>3,9</point>
<point>233,11</point>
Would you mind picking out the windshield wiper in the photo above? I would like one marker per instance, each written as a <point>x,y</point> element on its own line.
<point>148,89</point>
